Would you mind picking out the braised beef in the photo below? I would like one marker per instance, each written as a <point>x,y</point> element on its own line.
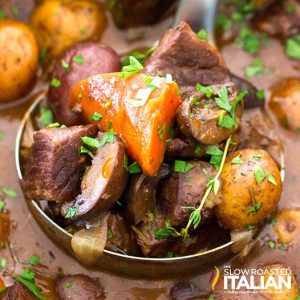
<point>129,13</point>
<point>55,167</point>
<point>103,183</point>
<point>186,190</point>
<point>140,196</point>
<point>17,291</point>
<point>79,287</point>
<point>187,58</point>
<point>120,238</point>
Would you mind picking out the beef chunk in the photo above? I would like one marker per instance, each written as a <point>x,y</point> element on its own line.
<point>198,116</point>
<point>103,183</point>
<point>120,238</point>
<point>140,196</point>
<point>79,287</point>
<point>187,58</point>
<point>129,13</point>
<point>54,168</point>
<point>186,190</point>
<point>18,292</point>
<point>280,19</point>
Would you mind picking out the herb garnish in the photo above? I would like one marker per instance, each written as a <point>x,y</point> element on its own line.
<point>91,142</point>
<point>181,166</point>
<point>28,274</point>
<point>110,234</point>
<point>56,83</point>
<point>237,160</point>
<point>260,94</point>
<point>71,213</point>
<point>254,209</point>
<point>3,263</point>
<point>34,260</point>
<point>45,118</point>
<point>292,48</point>
<point>2,205</point>
<point>65,65</point>
<point>207,91</point>
<point>271,244</point>
<point>161,130</point>
<point>96,116</point>
<point>79,59</point>
<point>108,138</point>
<point>1,135</point>
<point>9,192</point>
<point>255,68</point>
<point>133,67</point>
<point>168,231</point>
<point>202,34</point>
<point>134,168</point>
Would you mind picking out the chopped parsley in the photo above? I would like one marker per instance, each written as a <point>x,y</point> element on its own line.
<point>255,68</point>
<point>34,260</point>
<point>259,174</point>
<point>292,48</point>
<point>110,234</point>
<point>96,116</point>
<point>249,40</point>
<point>134,168</point>
<point>165,232</point>
<point>271,244</point>
<point>65,65</point>
<point>196,101</point>
<point>161,130</point>
<point>271,179</point>
<point>108,138</point>
<point>251,227</point>
<point>254,209</point>
<point>68,284</point>
<point>91,142</point>
<point>43,54</point>
<point>181,166</point>
<point>237,160</point>
<point>9,192</point>
<point>133,67</point>
<point>1,135</point>
<point>202,34</point>
<point>197,149</point>
<point>3,263</point>
<point>71,213</point>
<point>207,91</point>
<point>216,155</point>
<point>2,205</point>
<point>56,83</point>
<point>79,59</point>
<point>260,94</point>
<point>28,274</point>
<point>45,118</point>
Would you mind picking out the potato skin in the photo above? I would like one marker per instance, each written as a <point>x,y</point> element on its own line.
<point>18,59</point>
<point>239,182</point>
<point>59,25</point>
<point>97,58</point>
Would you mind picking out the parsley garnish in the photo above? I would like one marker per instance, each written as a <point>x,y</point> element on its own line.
<point>108,138</point>
<point>110,234</point>
<point>168,231</point>
<point>34,260</point>
<point>79,59</point>
<point>1,135</point>
<point>46,117</point>
<point>56,83</point>
<point>96,116</point>
<point>134,168</point>
<point>260,94</point>
<point>271,244</point>
<point>254,209</point>
<point>65,65</point>
<point>161,130</point>
<point>71,213</point>
<point>237,160</point>
<point>28,275</point>
<point>91,142</point>
<point>9,192</point>
<point>197,149</point>
<point>133,67</point>
<point>260,175</point>
<point>2,205</point>
<point>207,91</point>
<point>3,263</point>
<point>202,34</point>
<point>181,166</point>
<point>2,14</point>
<point>292,48</point>
<point>255,68</point>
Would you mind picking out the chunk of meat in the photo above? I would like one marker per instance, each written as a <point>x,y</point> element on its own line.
<point>129,13</point>
<point>120,238</point>
<point>187,58</point>
<point>199,118</point>
<point>94,59</point>
<point>18,292</point>
<point>79,287</point>
<point>128,105</point>
<point>104,181</point>
<point>186,190</point>
<point>55,167</point>
<point>140,196</point>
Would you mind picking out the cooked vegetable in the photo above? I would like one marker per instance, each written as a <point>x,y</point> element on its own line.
<point>285,103</point>
<point>250,190</point>
<point>18,59</point>
<point>59,25</point>
<point>287,225</point>
<point>141,114</point>
<point>75,64</point>
<point>104,181</point>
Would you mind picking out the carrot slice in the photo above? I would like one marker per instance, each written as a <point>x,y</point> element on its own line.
<point>140,112</point>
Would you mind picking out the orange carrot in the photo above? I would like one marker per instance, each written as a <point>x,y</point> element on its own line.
<point>140,112</point>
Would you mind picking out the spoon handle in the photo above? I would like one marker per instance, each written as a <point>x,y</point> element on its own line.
<point>200,14</point>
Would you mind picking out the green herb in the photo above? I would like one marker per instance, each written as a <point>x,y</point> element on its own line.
<point>181,166</point>
<point>84,150</point>
<point>226,121</point>
<point>271,179</point>
<point>237,160</point>
<point>139,56</point>
<point>79,95</point>
<point>45,118</point>
<point>161,130</point>
<point>79,59</point>
<point>54,125</point>
<point>251,227</point>
<point>257,156</point>
<point>272,220</point>
<point>3,263</point>
<point>134,168</point>
<point>1,135</point>
<point>249,40</point>
<point>2,14</point>
<point>56,83</point>
<point>34,260</point>
<point>292,48</point>
<point>260,175</point>
<point>96,116</point>
<point>255,68</point>
<point>65,65</point>
<point>133,67</point>
<point>254,209</point>
<point>110,234</point>
<point>223,22</point>
<point>202,34</point>
<point>68,284</point>
<point>91,142</point>
<point>222,99</point>
<point>216,155</point>
<point>71,213</point>
<point>196,101</point>
<point>9,192</point>
<point>207,91</point>
<point>260,94</point>
<point>2,205</point>
<point>211,297</point>
<point>168,231</point>
<point>271,244</point>
<point>197,149</point>
<point>31,286</point>
<point>28,275</point>
<point>108,138</point>
<point>281,247</point>
<point>43,54</point>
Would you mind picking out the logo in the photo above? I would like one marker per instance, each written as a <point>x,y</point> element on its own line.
<point>214,278</point>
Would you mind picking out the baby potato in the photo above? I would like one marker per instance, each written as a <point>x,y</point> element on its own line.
<point>284,293</point>
<point>18,59</point>
<point>59,25</point>
<point>4,228</point>
<point>251,188</point>
<point>285,103</point>
<point>287,225</point>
